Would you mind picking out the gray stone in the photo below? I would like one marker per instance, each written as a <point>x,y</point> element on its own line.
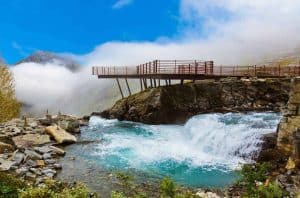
<point>57,150</point>
<point>47,156</point>
<point>18,158</point>
<point>36,171</point>
<point>43,149</point>
<point>21,171</point>
<point>5,164</point>
<point>33,155</point>
<point>57,166</point>
<point>31,163</point>
<point>29,140</point>
<point>50,161</point>
<point>30,176</point>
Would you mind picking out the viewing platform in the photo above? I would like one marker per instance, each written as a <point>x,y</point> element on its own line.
<point>151,73</point>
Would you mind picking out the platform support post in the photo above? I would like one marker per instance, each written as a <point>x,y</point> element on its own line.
<point>166,82</point>
<point>141,84</point>
<point>145,83</point>
<point>154,80</point>
<point>129,91</point>
<point>120,87</point>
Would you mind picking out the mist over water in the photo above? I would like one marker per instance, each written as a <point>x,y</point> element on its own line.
<point>203,152</point>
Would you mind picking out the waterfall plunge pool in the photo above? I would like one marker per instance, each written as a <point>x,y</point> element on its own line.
<point>204,152</point>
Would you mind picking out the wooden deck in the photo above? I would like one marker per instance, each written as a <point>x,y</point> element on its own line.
<point>150,74</point>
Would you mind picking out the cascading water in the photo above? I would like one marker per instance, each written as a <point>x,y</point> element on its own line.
<point>203,152</point>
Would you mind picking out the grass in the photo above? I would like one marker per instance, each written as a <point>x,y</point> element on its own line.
<point>12,187</point>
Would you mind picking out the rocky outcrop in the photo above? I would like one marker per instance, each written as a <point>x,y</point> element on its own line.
<point>60,135</point>
<point>177,103</point>
<point>290,123</point>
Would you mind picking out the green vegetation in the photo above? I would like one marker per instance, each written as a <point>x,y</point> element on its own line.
<point>11,187</point>
<point>254,179</point>
<point>10,107</point>
<point>167,188</point>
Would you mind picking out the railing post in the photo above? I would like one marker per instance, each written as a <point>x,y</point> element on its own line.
<point>255,70</point>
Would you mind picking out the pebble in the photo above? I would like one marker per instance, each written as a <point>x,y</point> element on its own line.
<point>47,156</point>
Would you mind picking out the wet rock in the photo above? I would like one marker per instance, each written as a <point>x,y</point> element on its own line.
<point>4,148</point>
<point>30,176</point>
<point>60,135</point>
<point>36,171</point>
<point>50,161</point>
<point>33,155</point>
<point>31,163</point>
<point>29,140</point>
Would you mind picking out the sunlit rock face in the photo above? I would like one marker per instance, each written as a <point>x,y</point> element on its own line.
<point>175,104</point>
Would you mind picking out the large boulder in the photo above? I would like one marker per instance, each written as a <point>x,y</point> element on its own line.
<point>28,140</point>
<point>60,135</point>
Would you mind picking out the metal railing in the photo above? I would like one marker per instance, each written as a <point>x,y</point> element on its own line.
<point>197,67</point>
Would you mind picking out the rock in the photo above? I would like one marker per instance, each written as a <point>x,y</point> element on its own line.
<point>4,148</point>
<point>5,164</point>
<point>73,126</point>
<point>177,103</point>
<point>47,171</point>
<point>28,140</point>
<point>57,166</point>
<point>21,171</point>
<point>50,161</point>
<point>40,163</point>
<point>35,171</point>
<point>33,155</point>
<point>43,149</point>
<point>57,150</point>
<point>47,156</point>
<point>18,159</point>
<point>60,135</point>
<point>30,176</point>
<point>31,163</point>
<point>203,194</point>
<point>290,164</point>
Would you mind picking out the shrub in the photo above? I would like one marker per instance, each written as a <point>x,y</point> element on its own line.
<point>271,191</point>
<point>56,190</point>
<point>9,185</point>
<point>252,175</point>
<point>10,107</point>
<point>167,188</point>
<point>115,194</point>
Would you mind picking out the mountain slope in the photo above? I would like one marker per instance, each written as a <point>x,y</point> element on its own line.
<point>43,57</point>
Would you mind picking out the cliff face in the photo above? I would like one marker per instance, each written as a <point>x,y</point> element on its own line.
<point>177,103</point>
<point>289,126</point>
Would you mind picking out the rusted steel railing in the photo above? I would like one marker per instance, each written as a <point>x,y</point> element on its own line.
<point>197,67</point>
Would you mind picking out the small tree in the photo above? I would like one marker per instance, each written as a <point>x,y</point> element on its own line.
<point>9,106</point>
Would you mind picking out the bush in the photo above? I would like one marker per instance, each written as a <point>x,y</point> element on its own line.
<point>253,178</point>
<point>271,191</point>
<point>9,185</point>
<point>10,107</point>
<point>167,188</point>
<point>56,190</point>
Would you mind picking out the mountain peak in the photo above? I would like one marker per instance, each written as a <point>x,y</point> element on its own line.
<point>43,57</point>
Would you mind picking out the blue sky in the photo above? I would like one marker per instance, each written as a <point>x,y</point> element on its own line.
<point>77,26</point>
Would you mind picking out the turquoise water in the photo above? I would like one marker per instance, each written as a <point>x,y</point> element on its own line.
<point>204,152</point>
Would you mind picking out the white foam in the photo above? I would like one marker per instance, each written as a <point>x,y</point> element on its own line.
<point>206,140</point>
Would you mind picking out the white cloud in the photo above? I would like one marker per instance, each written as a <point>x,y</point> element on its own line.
<point>122,3</point>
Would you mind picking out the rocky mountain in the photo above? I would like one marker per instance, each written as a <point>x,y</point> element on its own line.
<point>44,57</point>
